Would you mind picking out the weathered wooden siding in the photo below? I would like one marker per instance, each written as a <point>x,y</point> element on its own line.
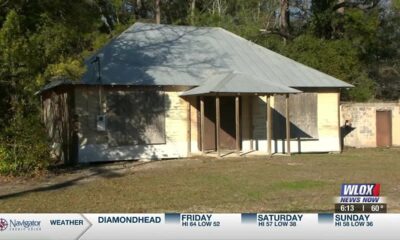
<point>246,124</point>
<point>303,116</point>
<point>57,107</point>
<point>93,145</point>
<point>328,127</point>
<point>259,118</point>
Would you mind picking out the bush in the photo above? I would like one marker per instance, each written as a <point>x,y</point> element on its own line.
<point>24,149</point>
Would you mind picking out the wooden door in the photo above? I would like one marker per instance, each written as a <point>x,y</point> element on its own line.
<point>209,123</point>
<point>383,128</point>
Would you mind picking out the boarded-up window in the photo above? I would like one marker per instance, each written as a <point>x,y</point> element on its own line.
<point>302,115</point>
<point>135,117</point>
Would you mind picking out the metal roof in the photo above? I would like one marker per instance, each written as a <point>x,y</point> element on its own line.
<point>153,54</point>
<point>235,82</point>
<point>55,83</point>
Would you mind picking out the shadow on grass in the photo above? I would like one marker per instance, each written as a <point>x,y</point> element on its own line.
<point>102,170</point>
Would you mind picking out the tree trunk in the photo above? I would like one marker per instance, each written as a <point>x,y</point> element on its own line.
<point>284,24</point>
<point>192,9</point>
<point>138,9</point>
<point>217,5</point>
<point>158,12</point>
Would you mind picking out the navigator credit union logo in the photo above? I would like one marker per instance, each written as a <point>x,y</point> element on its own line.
<point>3,224</point>
<point>16,225</point>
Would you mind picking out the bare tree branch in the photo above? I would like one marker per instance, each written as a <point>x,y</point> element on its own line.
<point>364,5</point>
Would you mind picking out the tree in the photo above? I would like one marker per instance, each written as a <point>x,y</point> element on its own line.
<point>192,10</point>
<point>356,41</point>
<point>157,11</point>
<point>38,40</point>
<point>284,18</point>
<point>384,54</point>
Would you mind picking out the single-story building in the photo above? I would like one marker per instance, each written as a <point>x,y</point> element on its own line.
<point>162,91</point>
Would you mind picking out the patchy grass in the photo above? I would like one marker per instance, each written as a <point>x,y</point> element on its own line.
<point>301,183</point>
<point>298,185</point>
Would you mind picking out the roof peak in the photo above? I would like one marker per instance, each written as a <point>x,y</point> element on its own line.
<point>175,26</point>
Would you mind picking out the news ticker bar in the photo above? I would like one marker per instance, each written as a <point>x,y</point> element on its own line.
<point>200,226</point>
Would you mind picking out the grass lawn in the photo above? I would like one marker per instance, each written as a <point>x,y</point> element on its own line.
<point>301,183</point>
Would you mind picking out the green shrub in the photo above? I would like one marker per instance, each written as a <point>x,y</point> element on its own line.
<point>24,149</point>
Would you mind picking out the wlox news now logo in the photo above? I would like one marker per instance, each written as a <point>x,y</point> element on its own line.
<point>360,193</point>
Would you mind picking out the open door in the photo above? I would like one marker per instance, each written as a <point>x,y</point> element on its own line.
<point>228,136</point>
<point>228,131</point>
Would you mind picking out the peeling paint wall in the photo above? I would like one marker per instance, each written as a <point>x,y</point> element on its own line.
<point>194,124</point>
<point>327,125</point>
<point>94,146</point>
<point>361,119</point>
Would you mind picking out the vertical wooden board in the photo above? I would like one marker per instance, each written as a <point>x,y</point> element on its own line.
<point>259,118</point>
<point>250,122</point>
<point>89,132</point>
<point>269,125</point>
<point>189,130</point>
<point>237,123</point>
<point>57,121</point>
<point>218,124</point>
<point>246,122</point>
<point>80,101</point>
<point>287,115</point>
<point>202,121</point>
<point>81,109</point>
<point>303,115</point>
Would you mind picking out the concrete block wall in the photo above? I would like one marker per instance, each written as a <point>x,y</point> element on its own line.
<point>361,118</point>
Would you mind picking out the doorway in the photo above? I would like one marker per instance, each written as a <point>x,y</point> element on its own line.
<point>383,128</point>
<point>227,134</point>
